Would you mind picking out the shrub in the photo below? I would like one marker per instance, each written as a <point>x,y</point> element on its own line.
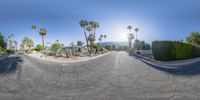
<point>39,47</point>
<point>56,49</point>
<point>174,50</point>
<point>108,47</point>
<point>10,51</point>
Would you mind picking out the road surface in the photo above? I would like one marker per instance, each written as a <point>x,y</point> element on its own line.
<point>116,76</point>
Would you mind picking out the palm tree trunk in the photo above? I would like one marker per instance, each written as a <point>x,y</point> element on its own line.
<point>129,41</point>
<point>94,32</point>
<point>33,39</point>
<point>43,41</point>
<point>86,38</point>
<point>136,36</point>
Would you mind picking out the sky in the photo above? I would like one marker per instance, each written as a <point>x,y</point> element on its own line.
<point>156,19</point>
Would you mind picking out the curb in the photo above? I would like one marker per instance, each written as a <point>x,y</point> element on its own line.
<point>166,66</point>
<point>96,57</point>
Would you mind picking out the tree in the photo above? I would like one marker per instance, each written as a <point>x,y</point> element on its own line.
<point>130,38</point>
<point>94,25</point>
<point>39,47</point>
<point>10,41</point>
<point>84,24</point>
<point>141,45</point>
<point>27,44</point>
<point>2,41</point>
<point>43,32</point>
<point>193,38</point>
<point>136,30</point>
<point>33,27</point>
<point>56,48</point>
<point>129,28</point>
<point>15,44</point>
<point>91,39</point>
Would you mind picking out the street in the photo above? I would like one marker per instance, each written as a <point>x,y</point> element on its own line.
<point>116,76</point>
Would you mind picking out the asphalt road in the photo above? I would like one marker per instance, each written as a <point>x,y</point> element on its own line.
<point>116,76</point>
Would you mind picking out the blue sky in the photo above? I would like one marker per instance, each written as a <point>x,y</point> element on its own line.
<point>156,19</point>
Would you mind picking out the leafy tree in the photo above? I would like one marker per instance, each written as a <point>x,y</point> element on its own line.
<point>27,44</point>
<point>141,45</point>
<point>43,32</point>
<point>39,47</point>
<point>3,43</point>
<point>108,47</point>
<point>193,38</point>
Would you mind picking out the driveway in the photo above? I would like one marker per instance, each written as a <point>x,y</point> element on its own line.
<point>116,76</point>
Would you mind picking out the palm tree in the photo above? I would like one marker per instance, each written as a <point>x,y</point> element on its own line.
<point>91,36</point>
<point>33,27</point>
<point>84,24</point>
<point>130,38</point>
<point>100,39</point>
<point>10,40</point>
<point>105,36</point>
<point>91,39</point>
<point>94,25</point>
<point>129,28</point>
<point>15,44</point>
<point>43,32</point>
<point>136,30</point>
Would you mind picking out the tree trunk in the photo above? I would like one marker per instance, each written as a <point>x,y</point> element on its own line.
<point>33,38</point>
<point>129,43</point>
<point>43,41</point>
<point>94,33</point>
<point>86,39</point>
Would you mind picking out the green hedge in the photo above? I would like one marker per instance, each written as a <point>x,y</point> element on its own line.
<point>174,50</point>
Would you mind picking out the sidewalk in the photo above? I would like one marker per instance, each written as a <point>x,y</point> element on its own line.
<point>168,64</point>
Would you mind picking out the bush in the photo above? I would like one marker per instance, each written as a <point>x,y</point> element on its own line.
<point>39,47</point>
<point>56,49</point>
<point>174,50</point>
<point>10,51</point>
<point>108,47</point>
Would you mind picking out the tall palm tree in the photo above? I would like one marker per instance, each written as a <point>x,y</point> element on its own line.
<point>84,24</point>
<point>129,28</point>
<point>136,30</point>
<point>94,25</point>
<point>130,38</point>
<point>91,39</point>
<point>105,36</point>
<point>10,40</point>
<point>100,39</point>
<point>33,27</point>
<point>43,32</point>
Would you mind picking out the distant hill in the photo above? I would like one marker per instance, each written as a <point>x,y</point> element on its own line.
<point>114,43</point>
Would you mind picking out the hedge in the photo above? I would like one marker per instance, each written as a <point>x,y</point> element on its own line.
<point>174,50</point>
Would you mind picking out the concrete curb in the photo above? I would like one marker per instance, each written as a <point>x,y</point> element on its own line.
<point>69,62</point>
<point>168,65</point>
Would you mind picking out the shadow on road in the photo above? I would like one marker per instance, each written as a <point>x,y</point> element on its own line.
<point>10,64</point>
